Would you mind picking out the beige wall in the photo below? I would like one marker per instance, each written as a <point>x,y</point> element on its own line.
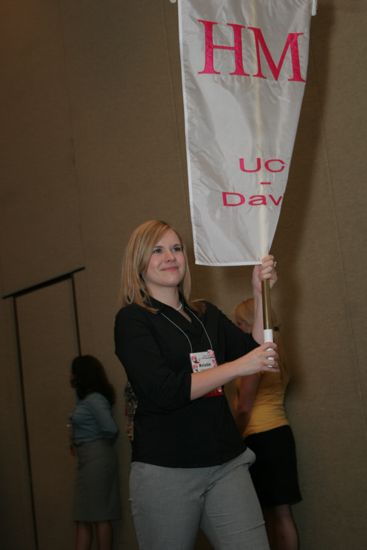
<point>92,144</point>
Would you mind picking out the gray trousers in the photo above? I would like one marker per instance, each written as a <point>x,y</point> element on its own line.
<point>170,504</point>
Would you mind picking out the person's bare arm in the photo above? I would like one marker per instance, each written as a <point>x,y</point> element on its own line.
<point>263,272</point>
<point>261,359</point>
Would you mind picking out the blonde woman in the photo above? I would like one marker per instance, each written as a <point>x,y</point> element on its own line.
<point>189,463</point>
<point>260,415</point>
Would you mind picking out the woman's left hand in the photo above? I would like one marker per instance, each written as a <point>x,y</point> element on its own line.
<point>264,271</point>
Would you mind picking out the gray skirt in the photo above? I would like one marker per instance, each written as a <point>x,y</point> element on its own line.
<point>97,494</point>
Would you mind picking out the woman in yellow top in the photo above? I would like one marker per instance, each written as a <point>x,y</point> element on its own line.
<point>258,407</point>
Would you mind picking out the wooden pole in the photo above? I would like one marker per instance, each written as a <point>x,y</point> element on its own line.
<point>268,323</point>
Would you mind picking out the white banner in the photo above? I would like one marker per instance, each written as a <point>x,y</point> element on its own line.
<point>244,65</point>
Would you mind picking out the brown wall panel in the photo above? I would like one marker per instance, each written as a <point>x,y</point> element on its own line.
<point>92,128</point>
<point>39,197</point>
<point>16,522</point>
<point>48,341</point>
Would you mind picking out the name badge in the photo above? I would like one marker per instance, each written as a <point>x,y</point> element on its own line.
<point>202,361</point>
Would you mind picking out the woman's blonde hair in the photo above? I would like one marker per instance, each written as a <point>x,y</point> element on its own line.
<point>136,259</point>
<point>244,311</point>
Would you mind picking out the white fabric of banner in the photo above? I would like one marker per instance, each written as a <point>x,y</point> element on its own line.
<point>244,65</point>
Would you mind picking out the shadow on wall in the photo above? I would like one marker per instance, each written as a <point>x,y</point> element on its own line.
<point>296,213</point>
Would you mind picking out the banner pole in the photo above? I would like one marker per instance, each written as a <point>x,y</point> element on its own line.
<point>267,320</point>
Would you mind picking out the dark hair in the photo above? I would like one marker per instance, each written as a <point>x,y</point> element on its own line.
<point>88,376</point>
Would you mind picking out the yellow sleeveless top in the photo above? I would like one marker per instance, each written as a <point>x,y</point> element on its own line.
<point>268,411</point>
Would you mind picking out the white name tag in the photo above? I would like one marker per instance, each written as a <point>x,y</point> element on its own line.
<point>202,361</point>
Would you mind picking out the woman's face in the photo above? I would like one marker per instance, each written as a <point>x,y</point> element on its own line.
<point>166,266</point>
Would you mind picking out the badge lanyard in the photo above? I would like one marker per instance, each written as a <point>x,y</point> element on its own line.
<point>201,360</point>
<point>184,333</point>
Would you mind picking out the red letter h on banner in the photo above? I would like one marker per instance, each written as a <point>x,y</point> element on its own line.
<point>210,47</point>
